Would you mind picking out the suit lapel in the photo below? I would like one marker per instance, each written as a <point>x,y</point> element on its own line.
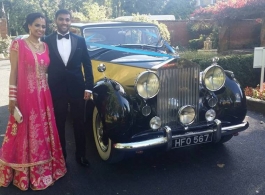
<point>54,45</point>
<point>73,46</point>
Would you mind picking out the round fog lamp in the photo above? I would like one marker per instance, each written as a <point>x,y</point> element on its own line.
<point>187,115</point>
<point>146,110</point>
<point>212,102</point>
<point>155,123</point>
<point>210,115</point>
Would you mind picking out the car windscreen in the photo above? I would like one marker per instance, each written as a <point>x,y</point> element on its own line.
<point>99,37</point>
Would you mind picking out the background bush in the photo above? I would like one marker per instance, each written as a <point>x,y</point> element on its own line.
<point>4,45</point>
<point>241,65</point>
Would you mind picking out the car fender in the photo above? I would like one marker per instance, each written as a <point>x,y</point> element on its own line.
<point>114,109</point>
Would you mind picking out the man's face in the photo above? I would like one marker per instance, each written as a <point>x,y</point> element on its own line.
<point>63,22</point>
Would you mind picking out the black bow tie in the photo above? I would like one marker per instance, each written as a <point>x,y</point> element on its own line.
<point>63,36</point>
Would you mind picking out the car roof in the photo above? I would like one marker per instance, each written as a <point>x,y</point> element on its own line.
<point>111,23</point>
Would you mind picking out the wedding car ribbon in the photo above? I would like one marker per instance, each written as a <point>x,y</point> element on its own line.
<point>136,51</point>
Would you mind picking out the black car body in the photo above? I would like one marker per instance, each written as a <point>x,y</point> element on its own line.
<point>146,96</point>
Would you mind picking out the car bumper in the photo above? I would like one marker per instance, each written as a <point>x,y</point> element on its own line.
<point>218,131</point>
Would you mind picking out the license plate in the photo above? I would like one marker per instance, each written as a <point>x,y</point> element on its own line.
<point>191,140</point>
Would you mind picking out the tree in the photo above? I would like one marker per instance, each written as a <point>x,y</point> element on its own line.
<point>94,12</point>
<point>181,9</point>
<point>224,12</point>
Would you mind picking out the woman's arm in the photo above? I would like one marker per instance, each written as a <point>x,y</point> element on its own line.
<point>13,77</point>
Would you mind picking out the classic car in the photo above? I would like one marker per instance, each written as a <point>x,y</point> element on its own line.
<point>147,97</point>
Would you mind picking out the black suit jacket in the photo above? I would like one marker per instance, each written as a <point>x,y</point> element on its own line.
<point>69,80</point>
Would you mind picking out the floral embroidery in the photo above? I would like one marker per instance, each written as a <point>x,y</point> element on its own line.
<point>6,139</point>
<point>41,81</point>
<point>14,129</point>
<point>47,180</point>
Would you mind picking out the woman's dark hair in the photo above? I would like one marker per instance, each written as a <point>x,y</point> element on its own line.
<point>31,18</point>
<point>62,11</point>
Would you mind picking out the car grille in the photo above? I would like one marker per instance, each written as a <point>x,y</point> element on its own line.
<point>179,86</point>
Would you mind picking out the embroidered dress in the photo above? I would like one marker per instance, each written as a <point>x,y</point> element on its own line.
<point>31,154</point>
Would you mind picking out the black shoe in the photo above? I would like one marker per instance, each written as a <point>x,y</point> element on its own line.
<point>83,161</point>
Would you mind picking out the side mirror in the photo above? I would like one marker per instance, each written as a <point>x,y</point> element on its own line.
<point>101,67</point>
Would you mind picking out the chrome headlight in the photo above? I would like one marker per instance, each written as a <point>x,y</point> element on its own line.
<point>187,115</point>
<point>210,115</point>
<point>155,123</point>
<point>147,84</point>
<point>214,78</point>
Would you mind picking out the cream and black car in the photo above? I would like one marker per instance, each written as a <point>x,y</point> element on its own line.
<point>146,97</point>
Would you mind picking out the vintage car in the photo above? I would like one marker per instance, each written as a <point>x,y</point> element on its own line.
<point>146,97</point>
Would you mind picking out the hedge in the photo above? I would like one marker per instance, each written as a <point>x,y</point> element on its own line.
<point>241,65</point>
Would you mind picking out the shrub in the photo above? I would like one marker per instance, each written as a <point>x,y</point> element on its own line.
<point>4,45</point>
<point>241,65</point>
<point>255,92</point>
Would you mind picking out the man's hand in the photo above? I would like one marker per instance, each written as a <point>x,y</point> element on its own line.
<point>87,95</point>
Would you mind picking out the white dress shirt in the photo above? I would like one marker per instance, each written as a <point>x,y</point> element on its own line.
<point>64,48</point>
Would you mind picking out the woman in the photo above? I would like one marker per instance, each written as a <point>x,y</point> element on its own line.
<point>31,153</point>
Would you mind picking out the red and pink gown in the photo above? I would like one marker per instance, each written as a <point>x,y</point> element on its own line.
<point>31,154</point>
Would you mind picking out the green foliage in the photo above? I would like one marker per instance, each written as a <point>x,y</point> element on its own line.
<point>199,56</point>
<point>196,44</point>
<point>94,11</point>
<point>198,27</point>
<point>208,28</point>
<point>180,8</point>
<point>162,27</point>
<point>17,10</point>
<point>4,45</point>
<point>79,17</point>
<point>241,65</point>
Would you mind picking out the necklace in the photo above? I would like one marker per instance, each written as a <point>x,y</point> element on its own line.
<point>36,46</point>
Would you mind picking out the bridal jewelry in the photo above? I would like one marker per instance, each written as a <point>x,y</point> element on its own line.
<point>36,46</point>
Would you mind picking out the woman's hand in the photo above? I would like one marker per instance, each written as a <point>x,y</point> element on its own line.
<point>11,106</point>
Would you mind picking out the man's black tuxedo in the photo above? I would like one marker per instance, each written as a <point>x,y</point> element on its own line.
<point>69,80</point>
<point>68,84</point>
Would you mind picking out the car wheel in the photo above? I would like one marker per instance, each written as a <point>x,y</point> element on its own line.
<point>105,151</point>
<point>224,139</point>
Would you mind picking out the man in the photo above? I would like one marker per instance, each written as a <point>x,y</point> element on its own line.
<point>68,84</point>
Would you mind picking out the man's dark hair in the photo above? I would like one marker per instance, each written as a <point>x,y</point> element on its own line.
<point>62,11</point>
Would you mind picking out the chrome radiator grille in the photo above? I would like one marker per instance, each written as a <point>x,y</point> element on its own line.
<point>178,87</point>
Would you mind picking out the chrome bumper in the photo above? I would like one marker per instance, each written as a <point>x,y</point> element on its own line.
<point>217,131</point>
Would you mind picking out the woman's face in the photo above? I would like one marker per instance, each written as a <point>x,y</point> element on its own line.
<point>37,28</point>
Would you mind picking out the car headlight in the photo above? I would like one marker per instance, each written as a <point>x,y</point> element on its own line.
<point>147,84</point>
<point>214,78</point>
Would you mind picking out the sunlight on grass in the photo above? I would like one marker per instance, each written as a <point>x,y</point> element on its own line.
<point>197,55</point>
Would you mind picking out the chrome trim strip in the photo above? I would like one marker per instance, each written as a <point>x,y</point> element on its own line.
<point>142,144</point>
<point>234,127</point>
<point>217,131</point>
<point>168,139</point>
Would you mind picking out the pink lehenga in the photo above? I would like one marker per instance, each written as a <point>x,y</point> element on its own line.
<point>31,154</point>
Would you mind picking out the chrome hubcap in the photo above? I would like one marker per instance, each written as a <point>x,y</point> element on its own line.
<point>99,129</point>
